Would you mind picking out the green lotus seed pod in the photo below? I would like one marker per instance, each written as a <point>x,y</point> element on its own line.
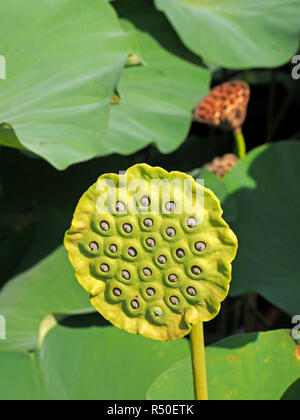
<point>153,251</point>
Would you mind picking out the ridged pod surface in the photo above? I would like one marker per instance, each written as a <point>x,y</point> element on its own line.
<point>155,263</point>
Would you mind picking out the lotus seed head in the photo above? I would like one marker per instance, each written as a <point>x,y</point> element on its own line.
<point>150,291</point>
<point>147,272</point>
<point>125,274</point>
<point>146,282</point>
<point>150,242</point>
<point>104,268</point>
<point>170,206</point>
<point>173,278</point>
<point>171,232</point>
<point>104,226</point>
<point>113,248</point>
<point>148,222</point>
<point>200,246</point>
<point>180,253</point>
<point>145,201</point>
<point>132,252</point>
<point>94,246</point>
<point>120,207</point>
<point>191,222</point>
<point>191,291</point>
<point>127,227</point>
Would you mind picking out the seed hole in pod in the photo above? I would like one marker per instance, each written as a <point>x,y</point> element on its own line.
<point>162,259</point>
<point>150,291</point>
<point>196,270</point>
<point>157,312</point>
<point>191,291</point>
<point>147,272</point>
<point>117,292</point>
<point>135,304</point>
<point>150,242</point>
<point>191,222</point>
<point>180,253</point>
<point>148,222</point>
<point>94,246</point>
<point>200,246</point>
<point>125,274</point>
<point>127,227</point>
<point>113,248</point>
<point>172,278</point>
<point>171,232</point>
<point>170,206</point>
<point>145,201</point>
<point>104,268</point>
<point>104,226</point>
<point>174,300</point>
<point>120,207</point>
<point>132,252</point>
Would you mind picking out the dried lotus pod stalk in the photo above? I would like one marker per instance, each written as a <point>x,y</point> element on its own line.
<point>151,266</point>
<point>221,165</point>
<point>226,107</point>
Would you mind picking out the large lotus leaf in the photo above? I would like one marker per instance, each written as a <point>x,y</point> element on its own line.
<point>254,366</point>
<point>262,200</point>
<point>237,34</point>
<point>87,364</point>
<point>156,97</point>
<point>49,288</point>
<point>63,62</point>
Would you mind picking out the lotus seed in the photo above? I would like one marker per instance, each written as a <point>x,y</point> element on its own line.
<point>117,292</point>
<point>127,228</point>
<point>132,252</point>
<point>162,259</point>
<point>145,201</point>
<point>200,246</point>
<point>125,274</point>
<point>147,272</point>
<point>113,248</point>
<point>104,268</point>
<point>180,253</point>
<point>157,312</point>
<point>170,206</point>
<point>191,222</point>
<point>104,226</point>
<point>196,270</point>
<point>135,304</point>
<point>150,291</point>
<point>171,232</point>
<point>174,300</point>
<point>120,207</point>
<point>150,242</point>
<point>94,246</point>
<point>148,222</point>
<point>173,278</point>
<point>191,291</point>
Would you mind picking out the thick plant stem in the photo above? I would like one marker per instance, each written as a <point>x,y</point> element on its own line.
<point>199,362</point>
<point>240,143</point>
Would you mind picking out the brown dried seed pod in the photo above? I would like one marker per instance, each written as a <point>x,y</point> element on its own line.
<point>221,165</point>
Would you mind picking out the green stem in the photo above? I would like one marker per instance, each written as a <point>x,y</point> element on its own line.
<point>240,143</point>
<point>199,362</point>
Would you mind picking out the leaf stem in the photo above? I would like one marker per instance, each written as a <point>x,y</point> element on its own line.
<point>199,362</point>
<point>240,143</point>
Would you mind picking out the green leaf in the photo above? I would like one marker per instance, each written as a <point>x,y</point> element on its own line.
<point>237,34</point>
<point>156,97</point>
<point>244,367</point>
<point>49,288</point>
<point>63,62</point>
<point>263,189</point>
<point>88,364</point>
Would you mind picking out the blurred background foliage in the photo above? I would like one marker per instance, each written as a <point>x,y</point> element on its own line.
<point>95,89</point>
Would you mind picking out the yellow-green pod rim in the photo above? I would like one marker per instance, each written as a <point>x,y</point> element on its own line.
<point>152,249</point>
